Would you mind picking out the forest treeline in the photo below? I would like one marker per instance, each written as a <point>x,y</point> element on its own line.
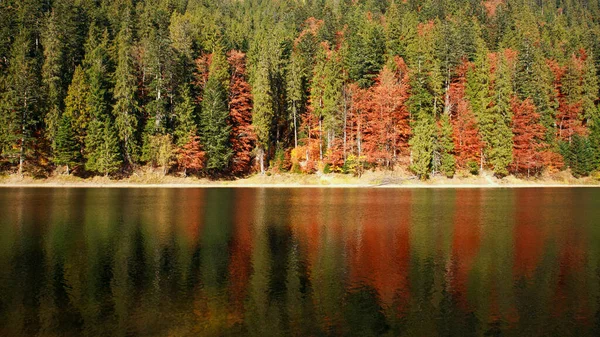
<point>227,88</point>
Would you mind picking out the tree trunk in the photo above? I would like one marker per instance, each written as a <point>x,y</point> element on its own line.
<point>261,159</point>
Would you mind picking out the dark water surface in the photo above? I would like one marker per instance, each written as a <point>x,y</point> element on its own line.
<point>285,262</point>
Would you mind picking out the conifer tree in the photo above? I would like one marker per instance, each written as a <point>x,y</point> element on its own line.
<point>421,145</point>
<point>76,108</point>
<point>214,129</point>
<point>102,144</point>
<point>262,113</point>
<point>52,72</point>
<point>126,107</point>
<point>495,124</point>
<point>66,149</point>
<point>185,117</point>
<point>19,115</point>
<point>446,147</point>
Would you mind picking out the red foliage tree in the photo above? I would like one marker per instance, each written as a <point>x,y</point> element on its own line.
<point>240,115</point>
<point>387,128</point>
<point>528,138</point>
<point>568,120</point>
<point>467,142</point>
<point>190,157</point>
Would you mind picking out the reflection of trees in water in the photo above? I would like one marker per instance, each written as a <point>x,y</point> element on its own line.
<point>299,262</point>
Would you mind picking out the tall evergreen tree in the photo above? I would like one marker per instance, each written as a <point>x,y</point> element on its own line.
<point>52,72</point>
<point>19,115</point>
<point>214,129</point>
<point>66,150</point>
<point>126,107</point>
<point>262,114</point>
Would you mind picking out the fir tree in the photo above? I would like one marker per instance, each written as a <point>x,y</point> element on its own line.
<point>214,129</point>
<point>126,107</point>
<point>52,72</point>
<point>421,145</point>
<point>446,147</point>
<point>185,117</point>
<point>66,149</point>
<point>102,144</point>
<point>262,114</point>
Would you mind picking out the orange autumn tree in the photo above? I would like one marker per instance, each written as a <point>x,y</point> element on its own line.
<point>242,137</point>
<point>528,135</point>
<point>568,121</point>
<point>467,141</point>
<point>386,131</point>
<point>190,156</point>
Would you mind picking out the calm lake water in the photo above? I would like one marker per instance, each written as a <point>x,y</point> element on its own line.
<point>284,262</point>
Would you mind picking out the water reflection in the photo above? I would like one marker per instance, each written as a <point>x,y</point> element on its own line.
<point>279,262</point>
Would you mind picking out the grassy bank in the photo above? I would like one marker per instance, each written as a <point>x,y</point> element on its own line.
<point>383,179</point>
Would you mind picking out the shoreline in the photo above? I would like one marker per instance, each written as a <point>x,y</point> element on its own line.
<point>371,180</point>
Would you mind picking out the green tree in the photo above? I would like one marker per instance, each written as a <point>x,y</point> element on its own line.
<point>76,108</point>
<point>262,115</point>
<point>102,144</point>
<point>185,117</point>
<point>19,115</point>
<point>126,106</point>
<point>52,72</point>
<point>422,146</point>
<point>66,149</point>
<point>214,129</point>
<point>446,147</point>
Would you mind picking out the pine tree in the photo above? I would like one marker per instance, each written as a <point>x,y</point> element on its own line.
<point>102,144</point>
<point>365,56</point>
<point>126,106</point>
<point>76,108</point>
<point>262,114</point>
<point>185,117</point>
<point>19,116</point>
<point>446,147</point>
<point>214,129</point>
<point>421,145</point>
<point>66,149</point>
<point>52,72</point>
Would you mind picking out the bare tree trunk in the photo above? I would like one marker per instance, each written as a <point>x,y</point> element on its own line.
<point>22,148</point>
<point>295,125</point>
<point>261,159</point>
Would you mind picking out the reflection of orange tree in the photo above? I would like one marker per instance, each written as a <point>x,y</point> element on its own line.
<point>379,249</point>
<point>465,244</point>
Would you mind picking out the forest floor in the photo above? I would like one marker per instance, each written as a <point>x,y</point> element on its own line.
<point>378,179</point>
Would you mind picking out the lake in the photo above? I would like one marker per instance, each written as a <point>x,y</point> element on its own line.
<point>282,262</point>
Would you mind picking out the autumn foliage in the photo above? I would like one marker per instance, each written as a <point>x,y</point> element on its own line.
<point>190,156</point>
<point>528,136</point>
<point>242,137</point>
<point>381,118</point>
<point>467,141</point>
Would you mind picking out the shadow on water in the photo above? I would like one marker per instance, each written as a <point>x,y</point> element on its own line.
<point>281,262</point>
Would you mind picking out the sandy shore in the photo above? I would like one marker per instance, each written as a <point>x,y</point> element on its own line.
<point>370,180</point>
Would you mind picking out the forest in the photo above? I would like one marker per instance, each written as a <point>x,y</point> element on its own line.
<point>232,87</point>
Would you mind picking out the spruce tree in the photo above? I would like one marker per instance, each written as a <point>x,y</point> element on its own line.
<point>66,149</point>
<point>19,114</point>
<point>185,117</point>
<point>214,129</point>
<point>422,146</point>
<point>76,108</point>
<point>52,72</point>
<point>125,110</point>
<point>262,114</point>
<point>102,144</point>
<point>446,147</point>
